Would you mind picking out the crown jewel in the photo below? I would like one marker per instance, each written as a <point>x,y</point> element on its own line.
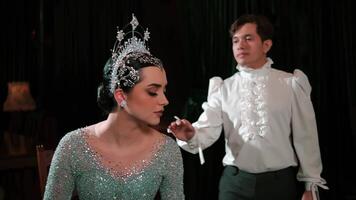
<point>123,75</point>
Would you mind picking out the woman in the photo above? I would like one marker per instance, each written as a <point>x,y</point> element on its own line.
<point>122,157</point>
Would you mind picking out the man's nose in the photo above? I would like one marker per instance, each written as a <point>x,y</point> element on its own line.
<point>241,44</point>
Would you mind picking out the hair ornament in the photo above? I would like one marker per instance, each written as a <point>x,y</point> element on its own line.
<point>134,46</point>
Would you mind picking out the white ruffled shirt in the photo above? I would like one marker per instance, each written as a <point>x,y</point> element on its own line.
<point>266,115</point>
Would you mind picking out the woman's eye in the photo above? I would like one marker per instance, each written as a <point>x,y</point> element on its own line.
<point>152,93</point>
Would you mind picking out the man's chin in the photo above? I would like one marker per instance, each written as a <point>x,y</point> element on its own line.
<point>240,61</point>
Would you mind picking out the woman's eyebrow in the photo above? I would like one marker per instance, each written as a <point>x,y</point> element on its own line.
<point>154,85</point>
<point>157,85</point>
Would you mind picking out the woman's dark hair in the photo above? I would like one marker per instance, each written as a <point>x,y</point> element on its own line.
<point>263,25</point>
<point>105,97</point>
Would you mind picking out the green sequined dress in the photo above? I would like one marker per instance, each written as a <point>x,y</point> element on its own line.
<point>76,165</point>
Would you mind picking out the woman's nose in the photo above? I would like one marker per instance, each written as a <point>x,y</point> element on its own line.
<point>164,101</point>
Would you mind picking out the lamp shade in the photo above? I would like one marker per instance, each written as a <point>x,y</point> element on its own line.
<point>19,97</point>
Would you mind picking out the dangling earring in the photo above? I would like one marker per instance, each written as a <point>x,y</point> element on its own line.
<point>123,103</point>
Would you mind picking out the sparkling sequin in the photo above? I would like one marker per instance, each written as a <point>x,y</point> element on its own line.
<point>76,165</point>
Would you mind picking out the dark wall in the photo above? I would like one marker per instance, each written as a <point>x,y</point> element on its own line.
<point>60,47</point>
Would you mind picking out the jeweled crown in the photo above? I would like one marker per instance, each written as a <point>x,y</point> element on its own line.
<point>121,73</point>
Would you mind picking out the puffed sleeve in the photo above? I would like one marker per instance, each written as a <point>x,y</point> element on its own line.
<point>305,135</point>
<point>209,125</point>
<point>60,181</point>
<point>172,183</point>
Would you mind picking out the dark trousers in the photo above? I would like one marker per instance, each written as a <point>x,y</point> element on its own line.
<point>236,184</point>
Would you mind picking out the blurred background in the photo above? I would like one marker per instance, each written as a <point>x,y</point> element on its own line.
<point>52,53</point>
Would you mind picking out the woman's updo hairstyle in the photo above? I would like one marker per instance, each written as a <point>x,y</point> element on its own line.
<point>133,61</point>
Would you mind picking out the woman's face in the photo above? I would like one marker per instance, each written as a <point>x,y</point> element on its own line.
<point>147,98</point>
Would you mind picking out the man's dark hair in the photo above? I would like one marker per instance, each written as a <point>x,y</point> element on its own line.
<point>263,25</point>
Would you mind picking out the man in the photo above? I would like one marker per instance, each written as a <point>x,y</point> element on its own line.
<point>268,120</point>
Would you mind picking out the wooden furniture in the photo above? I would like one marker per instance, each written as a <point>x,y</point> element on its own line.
<point>44,158</point>
<point>18,175</point>
<point>17,162</point>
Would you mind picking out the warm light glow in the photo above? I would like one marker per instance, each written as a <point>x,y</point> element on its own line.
<point>19,97</point>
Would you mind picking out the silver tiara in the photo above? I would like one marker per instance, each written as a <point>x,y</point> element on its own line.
<point>123,75</point>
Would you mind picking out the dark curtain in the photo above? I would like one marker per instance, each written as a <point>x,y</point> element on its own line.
<point>18,52</point>
<point>60,46</point>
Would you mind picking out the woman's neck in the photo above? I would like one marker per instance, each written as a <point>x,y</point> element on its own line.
<point>122,129</point>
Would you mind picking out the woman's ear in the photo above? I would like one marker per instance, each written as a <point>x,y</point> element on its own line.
<point>120,97</point>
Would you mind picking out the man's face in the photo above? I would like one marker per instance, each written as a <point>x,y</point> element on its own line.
<point>248,48</point>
